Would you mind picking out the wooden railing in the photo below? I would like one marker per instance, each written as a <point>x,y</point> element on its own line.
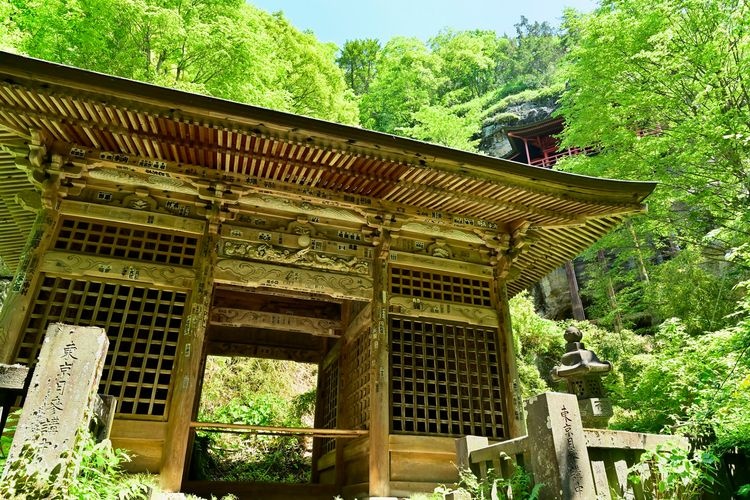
<point>570,461</point>
<point>550,160</point>
<point>277,431</point>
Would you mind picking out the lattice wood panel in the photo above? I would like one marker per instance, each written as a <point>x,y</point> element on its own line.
<point>143,326</point>
<point>440,286</point>
<point>328,400</point>
<point>445,379</point>
<point>355,362</point>
<point>128,242</point>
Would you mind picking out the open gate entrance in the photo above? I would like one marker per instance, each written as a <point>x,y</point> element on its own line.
<point>275,331</point>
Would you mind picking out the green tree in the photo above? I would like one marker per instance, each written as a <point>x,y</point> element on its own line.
<point>442,125</point>
<point>662,88</point>
<point>224,48</point>
<point>357,60</point>
<point>406,80</point>
<point>470,60</point>
<point>538,51</point>
<point>314,85</point>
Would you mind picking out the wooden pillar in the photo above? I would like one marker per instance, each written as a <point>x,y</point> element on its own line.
<point>188,364</point>
<point>379,467</point>
<point>26,278</point>
<point>516,424</point>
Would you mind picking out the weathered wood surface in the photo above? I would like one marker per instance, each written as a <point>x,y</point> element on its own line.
<point>263,351</point>
<point>380,411</point>
<point>72,264</point>
<point>440,264</point>
<point>421,460</point>
<point>187,372</point>
<point>424,308</point>
<point>62,392</point>
<point>254,274</point>
<point>241,318</point>
<point>272,430</point>
<point>144,442</point>
<point>130,216</point>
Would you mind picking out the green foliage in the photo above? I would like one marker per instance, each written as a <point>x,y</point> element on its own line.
<point>357,59</point>
<point>260,392</point>
<point>253,409</point>
<point>224,48</point>
<point>406,81</point>
<point>695,385</point>
<point>99,475</point>
<point>661,87</point>
<point>439,92</point>
<point>250,458</point>
<point>440,125</point>
<point>494,487</point>
<point>674,472</point>
<point>539,345</point>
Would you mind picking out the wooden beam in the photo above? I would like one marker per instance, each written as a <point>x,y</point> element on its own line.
<point>423,308</point>
<point>516,423</point>
<point>129,216</point>
<point>249,185</point>
<point>438,264</point>
<point>241,318</point>
<point>23,287</point>
<point>263,351</point>
<point>108,268</point>
<point>255,274</point>
<point>147,164</point>
<point>275,431</point>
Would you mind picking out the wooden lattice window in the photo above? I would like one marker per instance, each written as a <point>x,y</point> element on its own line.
<point>328,401</point>
<point>445,379</point>
<point>440,286</point>
<point>143,326</point>
<point>127,242</point>
<point>355,361</point>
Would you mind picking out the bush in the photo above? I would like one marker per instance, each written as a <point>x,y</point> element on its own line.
<point>673,472</point>
<point>99,476</point>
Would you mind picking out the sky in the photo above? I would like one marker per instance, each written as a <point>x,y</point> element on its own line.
<point>340,20</point>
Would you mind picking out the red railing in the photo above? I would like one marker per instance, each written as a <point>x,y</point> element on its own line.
<point>549,160</point>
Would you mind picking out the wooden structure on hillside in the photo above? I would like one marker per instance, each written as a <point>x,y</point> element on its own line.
<point>190,226</point>
<point>535,143</point>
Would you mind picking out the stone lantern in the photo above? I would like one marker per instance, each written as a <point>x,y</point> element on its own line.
<point>583,372</point>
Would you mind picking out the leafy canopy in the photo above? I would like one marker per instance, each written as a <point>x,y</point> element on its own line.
<point>224,48</point>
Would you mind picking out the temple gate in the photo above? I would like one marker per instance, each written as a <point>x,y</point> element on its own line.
<point>188,226</point>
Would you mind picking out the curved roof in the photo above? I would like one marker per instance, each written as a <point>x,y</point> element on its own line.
<point>218,139</point>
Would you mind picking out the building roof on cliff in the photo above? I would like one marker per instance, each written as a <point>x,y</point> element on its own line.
<point>201,142</point>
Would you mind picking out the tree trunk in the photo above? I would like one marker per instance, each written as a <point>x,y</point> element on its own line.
<point>610,291</point>
<point>575,297</point>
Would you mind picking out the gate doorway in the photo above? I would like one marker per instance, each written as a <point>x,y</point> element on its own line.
<point>264,410</point>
